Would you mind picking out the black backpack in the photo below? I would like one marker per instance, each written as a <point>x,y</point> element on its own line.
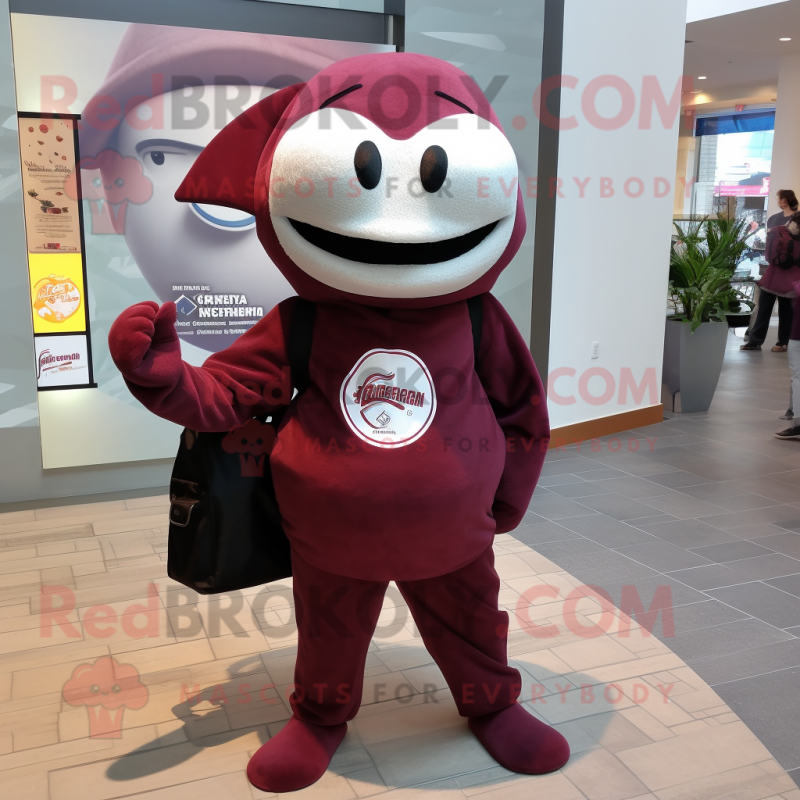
<point>225,528</point>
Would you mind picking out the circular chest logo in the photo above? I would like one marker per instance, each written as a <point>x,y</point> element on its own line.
<point>388,398</point>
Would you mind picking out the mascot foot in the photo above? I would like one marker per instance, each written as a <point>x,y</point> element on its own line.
<point>296,757</point>
<point>520,742</point>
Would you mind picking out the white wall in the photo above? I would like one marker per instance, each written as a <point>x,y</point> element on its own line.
<point>611,257</point>
<point>785,151</point>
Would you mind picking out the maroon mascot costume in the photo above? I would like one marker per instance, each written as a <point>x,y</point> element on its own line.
<point>386,192</point>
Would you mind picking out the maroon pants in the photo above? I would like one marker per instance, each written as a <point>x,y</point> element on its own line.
<point>457,616</point>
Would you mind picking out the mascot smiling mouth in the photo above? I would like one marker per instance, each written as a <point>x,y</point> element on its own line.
<point>370,251</point>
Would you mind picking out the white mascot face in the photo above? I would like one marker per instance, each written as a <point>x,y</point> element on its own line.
<point>382,217</point>
<point>177,244</point>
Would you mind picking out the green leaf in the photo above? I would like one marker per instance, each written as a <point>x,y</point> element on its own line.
<point>701,270</point>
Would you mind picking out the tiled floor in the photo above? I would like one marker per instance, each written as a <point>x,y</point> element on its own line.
<point>637,709</point>
<point>709,506</point>
<point>641,723</point>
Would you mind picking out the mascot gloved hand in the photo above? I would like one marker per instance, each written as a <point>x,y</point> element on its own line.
<point>386,192</point>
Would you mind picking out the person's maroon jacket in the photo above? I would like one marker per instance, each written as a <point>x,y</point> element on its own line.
<point>351,503</point>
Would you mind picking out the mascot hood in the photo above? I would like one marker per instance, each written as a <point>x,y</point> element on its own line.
<point>384,180</point>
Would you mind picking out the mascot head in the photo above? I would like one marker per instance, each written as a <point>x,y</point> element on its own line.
<point>384,180</point>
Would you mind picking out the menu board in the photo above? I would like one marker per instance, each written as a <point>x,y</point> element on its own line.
<point>56,257</point>
<point>52,217</point>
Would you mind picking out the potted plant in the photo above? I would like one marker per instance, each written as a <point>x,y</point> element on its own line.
<point>702,264</point>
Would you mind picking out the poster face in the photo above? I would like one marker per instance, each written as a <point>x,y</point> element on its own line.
<point>149,99</point>
<point>57,292</point>
<point>62,361</point>
<point>47,148</point>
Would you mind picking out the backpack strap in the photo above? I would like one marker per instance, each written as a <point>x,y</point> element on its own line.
<point>299,346</point>
<point>475,307</point>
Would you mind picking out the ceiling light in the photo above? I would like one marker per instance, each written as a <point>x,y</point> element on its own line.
<point>701,78</point>
<point>786,39</point>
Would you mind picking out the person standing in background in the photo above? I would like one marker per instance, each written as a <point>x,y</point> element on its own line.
<point>771,287</point>
<point>793,431</point>
<point>787,202</point>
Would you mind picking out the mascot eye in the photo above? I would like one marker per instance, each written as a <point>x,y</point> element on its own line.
<point>95,688</point>
<point>244,442</point>
<point>368,164</point>
<point>119,183</point>
<point>433,168</point>
<point>97,182</point>
<point>157,158</point>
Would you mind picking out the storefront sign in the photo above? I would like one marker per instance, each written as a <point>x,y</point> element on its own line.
<point>739,190</point>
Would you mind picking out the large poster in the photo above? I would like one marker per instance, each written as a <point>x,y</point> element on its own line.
<point>150,98</point>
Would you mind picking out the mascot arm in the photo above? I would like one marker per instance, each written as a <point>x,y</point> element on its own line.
<point>231,387</point>
<point>512,383</point>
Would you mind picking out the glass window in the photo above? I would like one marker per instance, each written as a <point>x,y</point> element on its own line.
<point>733,169</point>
